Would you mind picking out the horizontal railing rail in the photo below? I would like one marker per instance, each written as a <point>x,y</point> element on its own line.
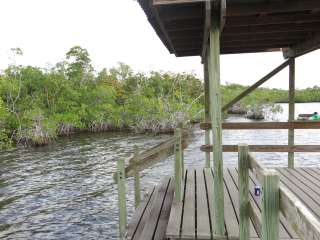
<point>141,161</point>
<point>276,198</point>
<point>265,125</point>
<point>266,148</point>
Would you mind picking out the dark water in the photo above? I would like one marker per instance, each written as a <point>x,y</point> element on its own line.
<point>66,191</point>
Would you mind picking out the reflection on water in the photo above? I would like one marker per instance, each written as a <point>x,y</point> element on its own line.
<point>66,191</point>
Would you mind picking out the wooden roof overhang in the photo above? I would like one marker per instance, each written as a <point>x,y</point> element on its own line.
<point>250,25</point>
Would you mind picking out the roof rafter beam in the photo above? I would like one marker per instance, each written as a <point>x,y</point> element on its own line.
<point>275,7</point>
<point>303,48</point>
<point>170,2</point>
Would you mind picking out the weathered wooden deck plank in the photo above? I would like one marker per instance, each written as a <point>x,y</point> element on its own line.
<point>292,186</point>
<point>139,212</point>
<point>165,213</point>
<point>202,218</point>
<point>188,229</point>
<point>231,219</point>
<point>151,225</point>
<point>145,217</point>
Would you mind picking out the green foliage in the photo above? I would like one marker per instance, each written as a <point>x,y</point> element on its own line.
<point>37,104</point>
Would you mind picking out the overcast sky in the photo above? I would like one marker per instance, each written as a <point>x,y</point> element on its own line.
<point>117,30</point>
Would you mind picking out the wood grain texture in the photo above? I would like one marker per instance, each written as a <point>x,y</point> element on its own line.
<point>270,205</point>
<point>216,120</point>
<point>244,166</point>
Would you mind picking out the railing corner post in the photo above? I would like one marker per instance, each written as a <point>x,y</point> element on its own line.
<point>243,166</point>
<point>137,186</point>
<point>270,205</point>
<point>121,180</point>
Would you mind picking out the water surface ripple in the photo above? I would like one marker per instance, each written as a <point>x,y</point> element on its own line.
<point>66,190</point>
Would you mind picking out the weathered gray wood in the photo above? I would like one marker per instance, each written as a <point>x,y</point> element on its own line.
<point>178,165</point>
<point>146,215</point>
<point>255,86</point>
<point>243,166</point>
<point>207,110</point>
<point>202,217</point>
<point>188,228</point>
<point>292,186</point>
<point>291,109</point>
<point>231,181</point>
<point>256,168</point>
<point>165,213</point>
<point>270,207</point>
<point>285,230</point>
<point>138,214</point>
<point>121,179</point>
<point>301,219</point>
<point>137,187</point>
<point>174,223</point>
<point>151,225</point>
<point>231,219</point>
<point>305,47</point>
<point>265,125</point>
<point>208,175</point>
<point>216,120</point>
<point>267,148</point>
<point>154,155</point>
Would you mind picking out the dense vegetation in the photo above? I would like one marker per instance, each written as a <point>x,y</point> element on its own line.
<point>37,105</point>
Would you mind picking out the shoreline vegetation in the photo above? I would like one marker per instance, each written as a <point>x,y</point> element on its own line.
<point>38,105</point>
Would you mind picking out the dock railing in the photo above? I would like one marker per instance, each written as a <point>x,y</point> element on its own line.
<point>276,198</point>
<point>146,159</point>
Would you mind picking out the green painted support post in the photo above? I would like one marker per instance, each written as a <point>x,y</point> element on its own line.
<point>206,111</point>
<point>291,109</point>
<point>178,165</point>
<point>216,119</point>
<point>137,187</point>
<point>121,180</point>
<point>243,166</point>
<point>180,126</point>
<point>270,205</point>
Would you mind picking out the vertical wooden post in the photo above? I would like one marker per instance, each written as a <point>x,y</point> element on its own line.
<point>178,165</point>
<point>270,206</point>
<point>121,180</point>
<point>215,109</point>
<point>243,166</point>
<point>180,126</point>
<point>137,187</point>
<point>291,109</point>
<point>206,111</point>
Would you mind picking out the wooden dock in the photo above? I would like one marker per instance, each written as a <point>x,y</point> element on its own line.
<point>161,217</point>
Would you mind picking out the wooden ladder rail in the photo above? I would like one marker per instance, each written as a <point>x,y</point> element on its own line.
<point>276,198</point>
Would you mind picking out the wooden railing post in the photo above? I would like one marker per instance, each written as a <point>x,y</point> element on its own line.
<point>121,180</point>
<point>178,165</point>
<point>216,121</point>
<point>243,166</point>
<point>291,109</point>
<point>207,117</point>
<point>137,187</point>
<point>270,205</point>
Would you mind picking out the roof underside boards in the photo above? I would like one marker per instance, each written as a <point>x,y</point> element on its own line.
<point>250,25</point>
